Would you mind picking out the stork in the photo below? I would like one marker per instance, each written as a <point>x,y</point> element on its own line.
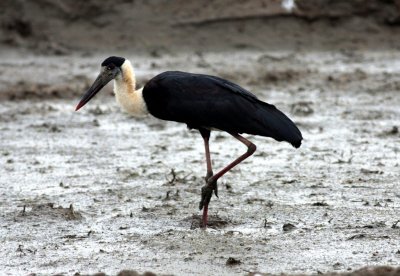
<point>202,102</point>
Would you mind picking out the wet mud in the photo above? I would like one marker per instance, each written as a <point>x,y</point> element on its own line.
<point>98,190</point>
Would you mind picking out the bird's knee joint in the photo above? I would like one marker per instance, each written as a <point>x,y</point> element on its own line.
<point>251,148</point>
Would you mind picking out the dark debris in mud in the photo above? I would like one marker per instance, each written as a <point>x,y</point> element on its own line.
<point>135,273</point>
<point>51,211</point>
<point>320,204</point>
<point>287,227</point>
<point>233,261</point>
<point>126,272</point>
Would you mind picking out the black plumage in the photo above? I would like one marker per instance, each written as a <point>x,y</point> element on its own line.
<point>203,101</point>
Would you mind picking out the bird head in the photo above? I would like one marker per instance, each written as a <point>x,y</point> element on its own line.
<point>110,69</point>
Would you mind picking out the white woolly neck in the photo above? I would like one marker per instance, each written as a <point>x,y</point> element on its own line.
<point>128,98</point>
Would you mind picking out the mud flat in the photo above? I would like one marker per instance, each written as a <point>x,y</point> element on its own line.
<point>101,191</point>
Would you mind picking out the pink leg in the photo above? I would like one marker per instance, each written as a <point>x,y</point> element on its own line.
<point>206,137</point>
<point>206,191</point>
<point>205,216</point>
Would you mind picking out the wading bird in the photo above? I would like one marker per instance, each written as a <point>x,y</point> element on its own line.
<point>202,102</point>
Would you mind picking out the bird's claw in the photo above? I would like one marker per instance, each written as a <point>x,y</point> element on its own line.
<point>206,193</point>
<point>216,190</point>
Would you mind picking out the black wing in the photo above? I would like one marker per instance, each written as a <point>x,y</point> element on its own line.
<point>211,102</point>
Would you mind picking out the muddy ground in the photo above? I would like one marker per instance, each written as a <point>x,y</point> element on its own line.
<point>98,190</point>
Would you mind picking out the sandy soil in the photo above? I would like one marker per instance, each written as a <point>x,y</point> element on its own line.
<point>98,190</point>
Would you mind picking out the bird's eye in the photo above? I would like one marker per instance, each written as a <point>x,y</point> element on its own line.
<point>110,67</point>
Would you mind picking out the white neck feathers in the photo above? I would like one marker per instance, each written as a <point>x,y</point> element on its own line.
<point>128,98</point>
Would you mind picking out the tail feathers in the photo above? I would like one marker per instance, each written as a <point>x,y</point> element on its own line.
<point>278,126</point>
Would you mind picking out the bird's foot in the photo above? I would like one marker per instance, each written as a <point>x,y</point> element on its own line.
<point>212,182</point>
<point>206,192</point>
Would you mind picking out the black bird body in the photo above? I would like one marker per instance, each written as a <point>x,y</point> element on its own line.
<point>203,101</point>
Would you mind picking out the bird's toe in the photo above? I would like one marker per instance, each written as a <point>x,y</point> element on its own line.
<point>213,185</point>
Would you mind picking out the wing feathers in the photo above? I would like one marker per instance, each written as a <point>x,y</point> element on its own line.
<point>208,101</point>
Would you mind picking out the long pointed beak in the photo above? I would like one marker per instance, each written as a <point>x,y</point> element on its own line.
<point>98,84</point>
